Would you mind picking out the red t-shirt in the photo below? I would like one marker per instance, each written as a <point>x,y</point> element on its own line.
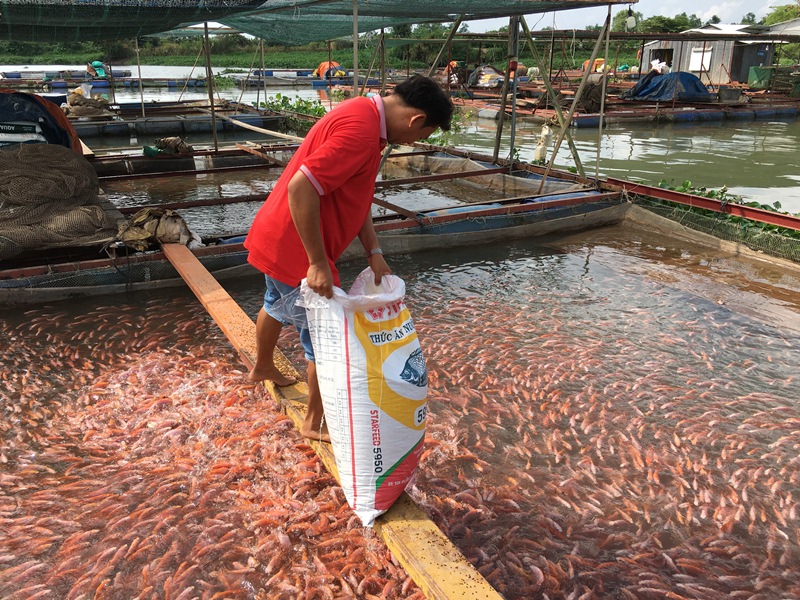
<point>340,156</point>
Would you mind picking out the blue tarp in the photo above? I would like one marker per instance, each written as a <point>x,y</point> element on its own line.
<point>679,86</point>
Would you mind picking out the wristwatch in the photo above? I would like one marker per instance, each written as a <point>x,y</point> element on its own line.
<point>374,251</point>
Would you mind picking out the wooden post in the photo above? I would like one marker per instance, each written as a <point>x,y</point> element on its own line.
<point>603,98</point>
<point>139,68</point>
<point>577,98</point>
<point>210,83</point>
<point>554,98</point>
<point>355,46</point>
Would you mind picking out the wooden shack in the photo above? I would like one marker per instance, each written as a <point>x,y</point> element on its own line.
<point>717,54</point>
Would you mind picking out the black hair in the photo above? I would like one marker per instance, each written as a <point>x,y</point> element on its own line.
<point>427,95</point>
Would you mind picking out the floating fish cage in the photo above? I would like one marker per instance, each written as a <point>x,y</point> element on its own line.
<point>768,239</point>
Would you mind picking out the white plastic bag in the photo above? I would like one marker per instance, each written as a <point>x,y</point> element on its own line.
<point>374,384</point>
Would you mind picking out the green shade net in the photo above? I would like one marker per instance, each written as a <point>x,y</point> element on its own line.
<point>289,22</point>
<point>759,78</point>
<point>296,23</point>
<point>88,20</point>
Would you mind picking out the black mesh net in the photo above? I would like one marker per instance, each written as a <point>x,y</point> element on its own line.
<point>280,21</point>
<point>769,241</point>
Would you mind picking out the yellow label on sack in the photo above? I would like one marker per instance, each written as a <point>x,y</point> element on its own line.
<point>396,373</point>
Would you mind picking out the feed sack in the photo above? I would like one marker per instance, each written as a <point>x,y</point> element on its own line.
<point>374,385</point>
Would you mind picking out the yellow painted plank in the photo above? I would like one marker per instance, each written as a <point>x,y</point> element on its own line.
<point>435,564</point>
<point>86,151</point>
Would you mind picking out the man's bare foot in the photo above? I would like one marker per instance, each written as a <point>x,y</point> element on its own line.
<point>272,375</point>
<point>315,433</point>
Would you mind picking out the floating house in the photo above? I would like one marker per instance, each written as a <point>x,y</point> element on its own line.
<point>717,54</point>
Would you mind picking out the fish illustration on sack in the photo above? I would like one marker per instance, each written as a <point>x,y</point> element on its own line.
<point>414,371</point>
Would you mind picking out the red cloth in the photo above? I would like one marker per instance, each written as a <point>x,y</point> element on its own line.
<point>340,156</point>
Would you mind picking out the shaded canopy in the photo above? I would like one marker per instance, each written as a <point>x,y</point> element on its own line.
<point>289,22</point>
<point>302,21</point>
<point>86,20</point>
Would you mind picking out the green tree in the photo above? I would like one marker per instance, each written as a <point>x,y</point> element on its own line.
<point>749,19</point>
<point>779,14</point>
<point>401,31</point>
<point>681,22</point>
<point>785,12</point>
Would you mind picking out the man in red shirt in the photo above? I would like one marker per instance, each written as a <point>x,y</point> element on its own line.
<point>323,201</point>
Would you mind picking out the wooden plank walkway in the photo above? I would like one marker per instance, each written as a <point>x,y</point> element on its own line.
<point>435,564</point>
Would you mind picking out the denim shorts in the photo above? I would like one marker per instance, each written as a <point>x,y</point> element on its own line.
<point>275,290</point>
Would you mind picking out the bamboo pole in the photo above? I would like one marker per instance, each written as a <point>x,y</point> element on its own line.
<point>371,65</point>
<point>330,98</point>
<point>355,45</point>
<point>210,83</point>
<point>578,93</point>
<point>603,98</point>
<point>250,72</point>
<point>554,98</point>
<point>263,76</point>
<point>513,50</point>
<point>511,65</point>
<point>450,36</point>
<point>641,59</point>
<point>139,68</point>
<point>383,62</point>
<point>501,116</point>
<point>702,62</point>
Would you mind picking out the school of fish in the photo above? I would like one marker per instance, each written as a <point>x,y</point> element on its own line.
<point>589,437</point>
<point>613,437</point>
<point>137,462</point>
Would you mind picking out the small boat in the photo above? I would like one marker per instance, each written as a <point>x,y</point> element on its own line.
<point>183,119</point>
<point>125,272</point>
<point>75,74</point>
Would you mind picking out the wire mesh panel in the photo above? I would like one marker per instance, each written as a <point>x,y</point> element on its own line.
<point>768,239</point>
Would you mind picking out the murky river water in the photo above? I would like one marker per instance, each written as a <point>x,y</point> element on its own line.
<point>758,159</point>
<point>612,414</point>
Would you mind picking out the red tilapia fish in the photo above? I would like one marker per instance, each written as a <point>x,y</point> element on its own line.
<point>138,462</point>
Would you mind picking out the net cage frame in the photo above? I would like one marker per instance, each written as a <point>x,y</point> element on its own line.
<point>768,240</point>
